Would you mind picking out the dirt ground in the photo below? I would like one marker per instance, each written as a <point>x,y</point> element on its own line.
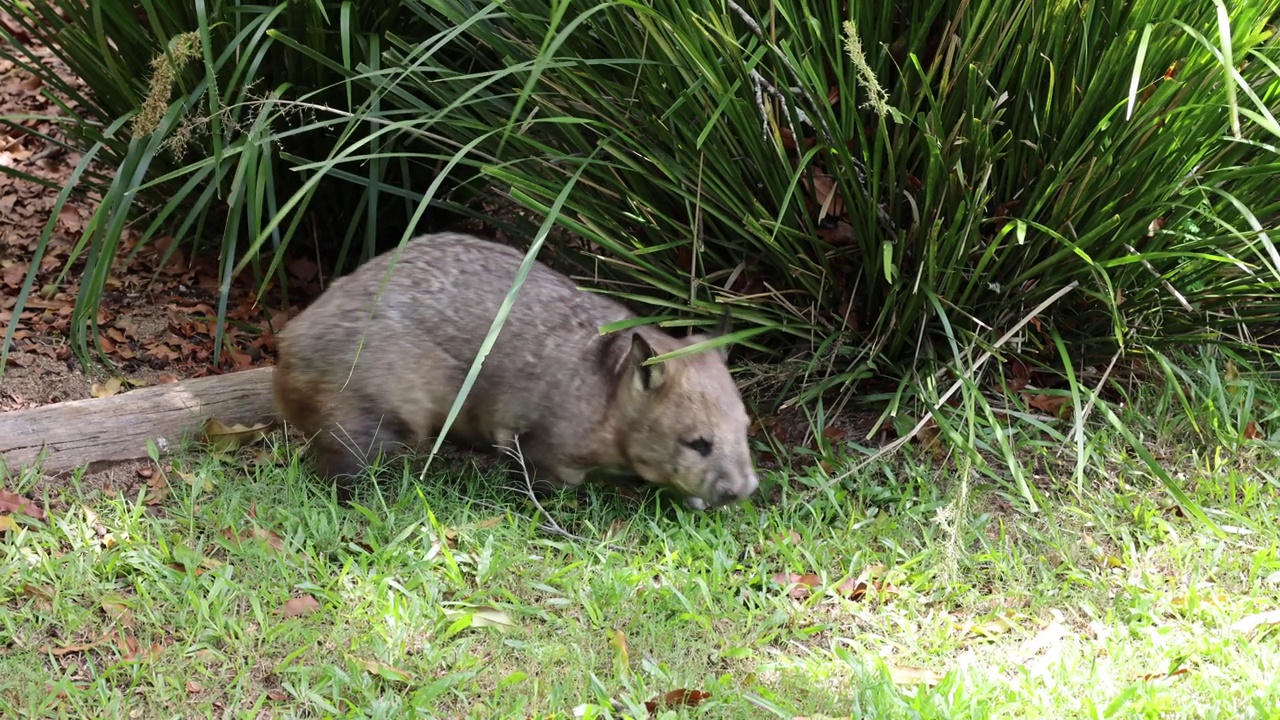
<point>157,317</point>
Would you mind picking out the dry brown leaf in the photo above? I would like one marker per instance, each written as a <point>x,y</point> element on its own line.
<point>616,528</point>
<point>1048,404</point>
<point>1249,623</point>
<point>301,605</point>
<point>302,268</point>
<point>69,218</point>
<point>914,676</point>
<point>1182,601</point>
<point>868,579</point>
<point>231,437</point>
<point>157,489</point>
<point>73,648</point>
<point>383,670</point>
<point>108,388</point>
<point>11,502</point>
<point>801,585</point>
<point>790,537</point>
<point>492,522</point>
<point>997,625</point>
<point>118,611</point>
<point>619,644</point>
<point>257,533</point>
<point>1161,676</point>
<point>132,650</point>
<point>675,698</point>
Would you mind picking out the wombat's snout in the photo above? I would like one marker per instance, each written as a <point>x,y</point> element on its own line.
<point>734,490</point>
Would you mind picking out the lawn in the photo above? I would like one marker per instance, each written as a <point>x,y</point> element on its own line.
<point>234,586</point>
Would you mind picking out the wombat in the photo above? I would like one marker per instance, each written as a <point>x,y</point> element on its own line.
<point>369,368</point>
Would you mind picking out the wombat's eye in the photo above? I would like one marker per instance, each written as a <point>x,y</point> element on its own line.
<point>702,446</point>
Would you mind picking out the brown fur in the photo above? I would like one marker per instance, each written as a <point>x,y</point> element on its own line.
<point>369,367</point>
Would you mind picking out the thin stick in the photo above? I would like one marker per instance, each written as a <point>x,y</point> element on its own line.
<point>550,526</point>
<point>1088,407</point>
<point>986,355</point>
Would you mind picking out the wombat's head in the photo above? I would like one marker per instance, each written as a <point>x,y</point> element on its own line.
<point>683,423</point>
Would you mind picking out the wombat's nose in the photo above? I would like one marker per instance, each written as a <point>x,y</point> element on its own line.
<point>726,494</point>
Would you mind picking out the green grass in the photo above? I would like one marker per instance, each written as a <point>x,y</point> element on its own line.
<point>1084,607</point>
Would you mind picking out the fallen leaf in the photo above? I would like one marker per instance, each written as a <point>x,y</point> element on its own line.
<point>271,538</point>
<point>491,522</point>
<point>1249,623</point>
<point>72,648</point>
<point>1183,601</point>
<point>621,655</point>
<point>790,537</point>
<point>383,670</point>
<point>132,650</point>
<point>8,524</point>
<point>868,579</point>
<point>676,698</point>
<point>301,605</point>
<point>491,617</point>
<point>108,388</point>
<point>231,437</point>
<point>1161,676</point>
<point>302,268</point>
<point>157,489</point>
<point>481,617</point>
<point>69,218</point>
<point>997,625</point>
<point>14,503</point>
<point>913,676</point>
<point>801,585</point>
<point>616,528</point>
<point>824,194</point>
<point>118,611</point>
<point>38,591</point>
<point>1049,404</point>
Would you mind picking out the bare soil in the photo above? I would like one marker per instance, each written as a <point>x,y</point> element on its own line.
<point>157,316</point>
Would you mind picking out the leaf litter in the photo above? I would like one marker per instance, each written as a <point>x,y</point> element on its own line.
<point>301,605</point>
<point>11,502</point>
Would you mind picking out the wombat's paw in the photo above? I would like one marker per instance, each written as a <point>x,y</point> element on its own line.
<point>694,503</point>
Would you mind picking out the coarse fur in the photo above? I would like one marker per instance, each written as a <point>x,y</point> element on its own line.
<point>375,363</point>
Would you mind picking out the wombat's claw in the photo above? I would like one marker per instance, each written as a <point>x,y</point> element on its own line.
<point>694,503</point>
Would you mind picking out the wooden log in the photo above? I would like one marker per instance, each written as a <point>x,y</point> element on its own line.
<point>68,435</point>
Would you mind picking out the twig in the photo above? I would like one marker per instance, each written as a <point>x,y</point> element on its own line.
<point>986,355</point>
<point>550,526</point>
<point>1088,407</point>
<point>1167,285</point>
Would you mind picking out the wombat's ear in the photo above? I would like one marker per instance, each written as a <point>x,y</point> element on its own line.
<point>647,377</point>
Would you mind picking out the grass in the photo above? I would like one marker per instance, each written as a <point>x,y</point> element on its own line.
<point>443,599</point>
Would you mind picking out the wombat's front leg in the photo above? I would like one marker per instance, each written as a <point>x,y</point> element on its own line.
<point>345,448</point>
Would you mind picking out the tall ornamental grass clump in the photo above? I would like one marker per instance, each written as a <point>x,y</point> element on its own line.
<point>885,187</point>
<point>875,189</point>
<point>182,131</point>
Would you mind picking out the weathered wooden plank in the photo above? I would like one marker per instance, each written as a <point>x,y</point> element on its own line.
<point>79,432</point>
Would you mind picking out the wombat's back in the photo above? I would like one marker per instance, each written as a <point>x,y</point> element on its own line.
<point>404,341</point>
